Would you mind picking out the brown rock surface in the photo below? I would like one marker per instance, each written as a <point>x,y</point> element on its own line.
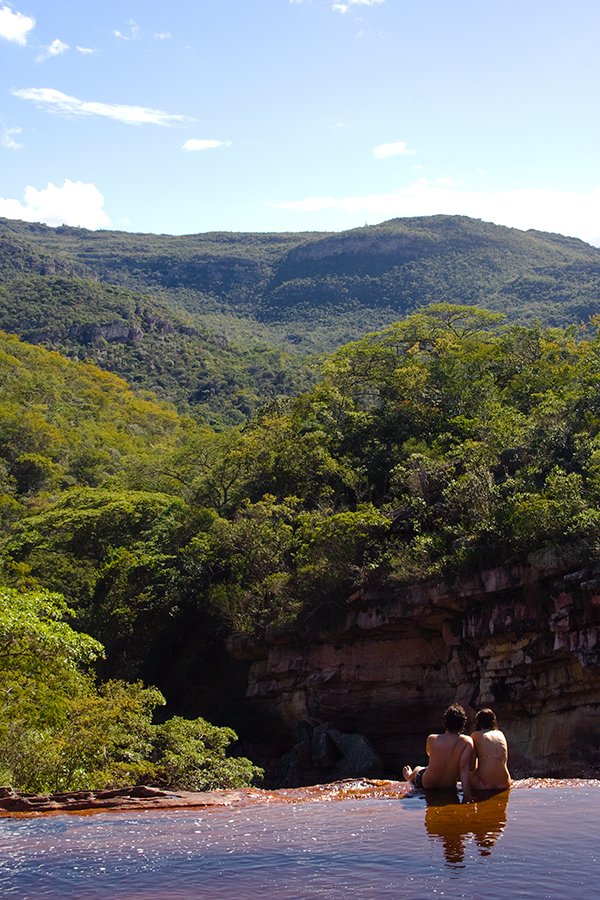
<point>147,798</point>
<point>523,639</point>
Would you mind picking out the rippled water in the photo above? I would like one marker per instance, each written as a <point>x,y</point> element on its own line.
<point>531,843</point>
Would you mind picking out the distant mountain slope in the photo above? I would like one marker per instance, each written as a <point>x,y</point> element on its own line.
<point>148,342</point>
<point>397,266</point>
<point>66,424</point>
<point>221,266</point>
<point>406,263</point>
<point>196,317</point>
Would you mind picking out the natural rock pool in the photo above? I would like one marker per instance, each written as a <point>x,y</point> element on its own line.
<point>528,842</point>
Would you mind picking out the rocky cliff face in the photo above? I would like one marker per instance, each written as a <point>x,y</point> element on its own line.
<point>523,639</point>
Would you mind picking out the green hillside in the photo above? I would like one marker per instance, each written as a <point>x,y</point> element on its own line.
<point>86,460</point>
<point>442,440</point>
<point>66,424</point>
<point>221,323</point>
<point>151,344</point>
<point>395,266</point>
<point>407,263</point>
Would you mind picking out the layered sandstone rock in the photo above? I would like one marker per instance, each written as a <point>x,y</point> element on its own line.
<point>523,639</point>
<point>146,798</point>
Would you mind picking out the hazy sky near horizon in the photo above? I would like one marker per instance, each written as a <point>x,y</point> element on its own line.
<point>294,115</point>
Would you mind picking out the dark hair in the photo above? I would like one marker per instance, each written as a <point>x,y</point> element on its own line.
<point>485,719</point>
<point>455,719</point>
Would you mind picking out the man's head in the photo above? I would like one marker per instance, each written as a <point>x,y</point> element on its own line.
<point>485,720</point>
<point>455,719</point>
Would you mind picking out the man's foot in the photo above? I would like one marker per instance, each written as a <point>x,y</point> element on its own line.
<point>406,773</point>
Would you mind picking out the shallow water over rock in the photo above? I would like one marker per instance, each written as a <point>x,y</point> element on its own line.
<point>525,843</point>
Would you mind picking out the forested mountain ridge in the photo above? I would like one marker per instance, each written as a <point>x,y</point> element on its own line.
<point>148,342</point>
<point>407,263</point>
<point>396,266</point>
<point>220,323</point>
<point>227,264</point>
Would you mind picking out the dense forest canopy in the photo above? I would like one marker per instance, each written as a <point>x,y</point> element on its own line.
<point>441,439</point>
<point>448,441</point>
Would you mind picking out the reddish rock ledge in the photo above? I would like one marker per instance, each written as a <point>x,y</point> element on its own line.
<point>521,638</point>
<point>146,798</point>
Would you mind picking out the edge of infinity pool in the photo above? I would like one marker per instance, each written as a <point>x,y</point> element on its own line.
<point>141,797</point>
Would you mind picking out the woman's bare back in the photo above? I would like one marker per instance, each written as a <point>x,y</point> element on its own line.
<point>491,757</point>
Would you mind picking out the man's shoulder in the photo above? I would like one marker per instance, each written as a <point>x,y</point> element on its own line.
<point>462,738</point>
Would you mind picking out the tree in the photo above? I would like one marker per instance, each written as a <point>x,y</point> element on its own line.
<point>191,755</point>
<point>59,731</point>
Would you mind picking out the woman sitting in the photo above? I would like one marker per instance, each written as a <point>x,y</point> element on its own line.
<point>489,771</point>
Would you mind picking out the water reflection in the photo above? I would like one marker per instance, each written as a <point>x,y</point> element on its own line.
<point>455,824</point>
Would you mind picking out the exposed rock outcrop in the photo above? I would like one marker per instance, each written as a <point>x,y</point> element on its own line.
<point>325,753</point>
<point>146,798</point>
<point>125,332</point>
<point>524,639</point>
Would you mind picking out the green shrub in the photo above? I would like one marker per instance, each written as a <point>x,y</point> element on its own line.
<point>191,755</point>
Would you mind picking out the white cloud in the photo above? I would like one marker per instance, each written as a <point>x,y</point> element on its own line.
<point>448,181</point>
<point>14,26</point>
<point>66,105</point>
<point>8,140</point>
<point>397,148</point>
<point>344,7</point>
<point>564,212</point>
<point>75,203</point>
<point>86,50</point>
<point>162,35</point>
<point>132,35</point>
<point>204,144</point>
<point>56,48</point>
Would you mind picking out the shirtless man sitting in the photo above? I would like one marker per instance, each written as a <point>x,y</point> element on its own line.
<point>449,756</point>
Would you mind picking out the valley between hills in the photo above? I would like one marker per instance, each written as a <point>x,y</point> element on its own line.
<point>309,487</point>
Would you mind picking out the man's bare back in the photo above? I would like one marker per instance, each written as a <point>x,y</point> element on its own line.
<point>446,753</point>
<point>449,756</point>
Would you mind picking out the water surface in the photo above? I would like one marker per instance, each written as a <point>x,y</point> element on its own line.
<point>526,843</point>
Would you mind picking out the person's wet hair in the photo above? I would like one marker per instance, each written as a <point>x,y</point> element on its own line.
<point>455,719</point>
<point>485,719</point>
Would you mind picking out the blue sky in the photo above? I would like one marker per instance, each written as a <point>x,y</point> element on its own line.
<point>275,115</point>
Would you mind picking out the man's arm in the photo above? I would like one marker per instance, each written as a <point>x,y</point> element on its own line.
<point>464,767</point>
<point>428,743</point>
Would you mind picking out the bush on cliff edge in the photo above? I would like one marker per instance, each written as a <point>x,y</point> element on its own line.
<point>60,731</point>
